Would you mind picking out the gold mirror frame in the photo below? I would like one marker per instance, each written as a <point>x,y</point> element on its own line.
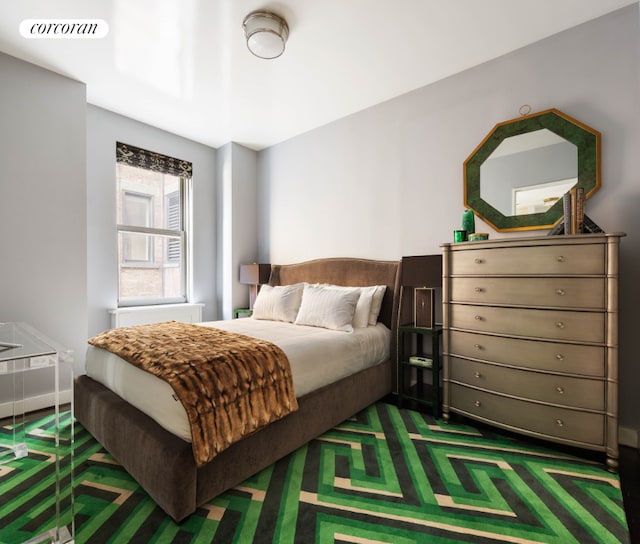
<point>585,138</point>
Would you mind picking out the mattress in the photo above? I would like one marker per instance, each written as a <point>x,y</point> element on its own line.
<point>318,357</point>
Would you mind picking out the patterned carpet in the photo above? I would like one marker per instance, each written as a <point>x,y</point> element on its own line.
<point>386,476</point>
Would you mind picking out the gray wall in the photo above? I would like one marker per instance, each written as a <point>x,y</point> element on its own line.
<point>104,128</point>
<point>43,249</point>
<point>237,225</point>
<point>387,181</point>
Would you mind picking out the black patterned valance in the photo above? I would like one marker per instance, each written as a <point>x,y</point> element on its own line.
<point>129,154</point>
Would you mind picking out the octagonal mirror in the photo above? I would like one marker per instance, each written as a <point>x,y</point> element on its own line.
<point>514,180</point>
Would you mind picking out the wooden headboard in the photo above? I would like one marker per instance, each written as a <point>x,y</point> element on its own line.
<point>349,272</point>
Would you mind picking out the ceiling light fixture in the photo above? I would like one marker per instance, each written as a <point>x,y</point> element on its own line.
<point>266,34</point>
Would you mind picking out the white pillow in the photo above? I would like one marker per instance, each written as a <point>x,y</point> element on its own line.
<point>279,303</point>
<point>376,303</point>
<point>327,307</point>
<point>363,308</point>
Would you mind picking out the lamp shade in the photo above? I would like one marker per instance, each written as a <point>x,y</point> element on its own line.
<point>266,34</point>
<point>422,271</point>
<point>254,273</point>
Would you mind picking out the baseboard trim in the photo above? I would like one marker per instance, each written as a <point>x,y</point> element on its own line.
<point>31,404</point>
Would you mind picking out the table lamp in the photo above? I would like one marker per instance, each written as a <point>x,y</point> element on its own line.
<point>254,275</point>
<point>424,274</point>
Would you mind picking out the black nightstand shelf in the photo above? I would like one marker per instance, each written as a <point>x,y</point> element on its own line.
<point>411,342</point>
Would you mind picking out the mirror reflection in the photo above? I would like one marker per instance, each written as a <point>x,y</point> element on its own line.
<point>529,172</point>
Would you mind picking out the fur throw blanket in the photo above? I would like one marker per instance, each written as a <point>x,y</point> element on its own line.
<point>230,385</point>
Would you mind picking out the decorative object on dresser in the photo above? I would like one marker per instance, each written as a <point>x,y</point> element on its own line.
<point>418,334</point>
<point>478,236</point>
<point>515,178</point>
<point>468,222</point>
<point>574,221</point>
<point>531,337</point>
<point>459,235</point>
<point>254,275</point>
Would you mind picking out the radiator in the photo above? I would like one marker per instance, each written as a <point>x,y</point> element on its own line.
<point>144,315</point>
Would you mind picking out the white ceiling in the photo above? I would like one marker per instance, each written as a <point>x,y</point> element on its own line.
<point>183,66</point>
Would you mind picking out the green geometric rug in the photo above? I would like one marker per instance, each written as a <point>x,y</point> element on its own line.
<point>388,475</point>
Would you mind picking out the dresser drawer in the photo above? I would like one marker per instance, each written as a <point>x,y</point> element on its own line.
<point>551,292</point>
<point>586,259</point>
<point>535,354</point>
<point>551,421</point>
<point>551,388</point>
<point>550,324</point>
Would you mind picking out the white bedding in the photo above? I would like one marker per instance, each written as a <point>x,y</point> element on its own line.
<point>317,356</point>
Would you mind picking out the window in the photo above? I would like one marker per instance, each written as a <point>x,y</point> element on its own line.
<point>152,204</point>
<point>136,211</point>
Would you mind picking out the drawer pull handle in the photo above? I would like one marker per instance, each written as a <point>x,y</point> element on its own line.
<point>479,318</point>
<point>560,258</point>
<point>559,356</point>
<point>479,290</point>
<point>560,390</point>
<point>477,346</point>
<point>560,325</point>
<point>478,261</point>
<point>559,423</point>
<point>560,292</point>
<point>478,404</point>
<point>477,374</point>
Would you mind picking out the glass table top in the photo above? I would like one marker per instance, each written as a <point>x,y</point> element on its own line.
<point>21,341</point>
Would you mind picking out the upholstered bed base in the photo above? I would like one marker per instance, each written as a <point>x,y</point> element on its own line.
<point>163,464</point>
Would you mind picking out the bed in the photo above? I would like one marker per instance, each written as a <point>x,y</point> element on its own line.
<point>168,471</point>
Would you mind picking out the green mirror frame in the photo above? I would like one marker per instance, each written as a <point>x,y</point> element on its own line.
<point>585,138</point>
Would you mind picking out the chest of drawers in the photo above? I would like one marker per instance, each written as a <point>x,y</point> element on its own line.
<point>531,337</point>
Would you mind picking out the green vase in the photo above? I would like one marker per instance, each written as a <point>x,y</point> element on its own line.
<point>468,221</point>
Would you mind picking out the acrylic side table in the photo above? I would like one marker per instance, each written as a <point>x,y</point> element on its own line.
<point>23,351</point>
